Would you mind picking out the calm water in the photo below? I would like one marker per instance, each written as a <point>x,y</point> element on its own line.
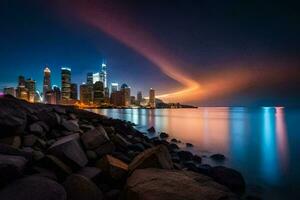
<point>262,143</point>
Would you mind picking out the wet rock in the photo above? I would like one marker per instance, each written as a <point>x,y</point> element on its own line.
<point>151,129</point>
<point>189,145</point>
<point>93,139</point>
<point>33,188</point>
<point>173,146</point>
<point>14,141</point>
<point>163,135</point>
<point>205,169</point>
<point>11,167</point>
<point>121,140</point>
<point>89,172</point>
<point>113,167</point>
<point>69,151</point>
<point>174,140</point>
<point>217,157</point>
<point>157,157</point>
<point>113,194</point>
<point>70,125</point>
<point>230,178</point>
<point>36,129</point>
<point>185,155</point>
<point>29,140</point>
<point>104,149</point>
<point>162,184</point>
<point>197,159</point>
<point>81,188</point>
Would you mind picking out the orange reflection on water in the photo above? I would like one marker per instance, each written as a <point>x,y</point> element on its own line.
<point>282,141</point>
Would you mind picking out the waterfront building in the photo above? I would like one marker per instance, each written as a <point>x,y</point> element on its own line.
<point>89,78</point>
<point>152,98</point>
<point>96,77</point>
<point>10,91</point>
<point>74,91</point>
<point>65,83</point>
<point>139,98</point>
<point>57,93</point>
<point>125,89</point>
<point>86,94</point>
<point>47,81</point>
<point>21,81</point>
<point>98,93</point>
<point>103,74</point>
<point>50,97</point>
<point>22,92</point>
<point>114,87</point>
<point>132,100</point>
<point>117,98</point>
<point>30,86</point>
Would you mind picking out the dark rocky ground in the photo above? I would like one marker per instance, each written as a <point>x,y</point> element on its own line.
<point>54,153</point>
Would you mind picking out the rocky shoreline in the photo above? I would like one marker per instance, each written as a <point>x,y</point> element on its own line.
<point>54,152</point>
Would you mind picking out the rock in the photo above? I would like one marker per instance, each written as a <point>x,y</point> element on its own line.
<point>44,126</point>
<point>113,167</point>
<point>50,118</point>
<point>136,147</point>
<point>29,140</point>
<point>173,146</point>
<point>9,150</point>
<point>112,194</point>
<point>174,140</point>
<point>33,188</point>
<point>44,173</point>
<point>189,145</point>
<point>163,135</point>
<point>37,129</point>
<point>122,141</point>
<point>14,141</point>
<point>81,188</point>
<point>72,116</point>
<point>59,167</point>
<point>197,159</point>
<point>69,151</point>
<point>37,155</point>
<point>217,157</point>
<point>70,125</point>
<point>151,129</point>
<point>157,157</point>
<point>190,165</point>
<point>86,127</point>
<point>89,172</point>
<point>11,167</point>
<point>12,121</point>
<point>122,157</point>
<point>91,155</point>
<point>93,139</point>
<point>185,155</point>
<point>230,178</point>
<point>104,149</point>
<point>160,184</point>
<point>205,169</point>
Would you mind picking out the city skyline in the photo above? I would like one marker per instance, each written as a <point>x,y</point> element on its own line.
<point>246,54</point>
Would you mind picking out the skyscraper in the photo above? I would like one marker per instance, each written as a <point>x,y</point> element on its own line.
<point>114,87</point>
<point>86,94</point>
<point>47,82</point>
<point>89,78</point>
<point>152,98</point>
<point>126,94</point>
<point>98,93</point>
<point>65,83</point>
<point>96,77</point>
<point>139,97</point>
<point>21,81</point>
<point>104,74</point>
<point>22,91</point>
<point>74,91</point>
<point>30,86</point>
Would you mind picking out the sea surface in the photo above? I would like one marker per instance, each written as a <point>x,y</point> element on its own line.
<point>262,143</point>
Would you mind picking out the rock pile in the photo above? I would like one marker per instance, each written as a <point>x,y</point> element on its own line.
<point>55,152</point>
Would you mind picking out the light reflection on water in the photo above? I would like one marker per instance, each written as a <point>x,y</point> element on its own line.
<point>256,141</point>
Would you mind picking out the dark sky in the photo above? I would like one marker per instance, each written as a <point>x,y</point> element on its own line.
<point>252,47</point>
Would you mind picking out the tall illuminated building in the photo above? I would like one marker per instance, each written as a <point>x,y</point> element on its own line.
<point>96,77</point>
<point>86,94</point>
<point>103,74</point>
<point>98,93</point>
<point>74,91</point>
<point>30,86</point>
<point>57,93</point>
<point>21,81</point>
<point>47,81</point>
<point>152,98</point>
<point>114,87</point>
<point>139,97</point>
<point>65,83</point>
<point>89,78</point>
<point>125,89</point>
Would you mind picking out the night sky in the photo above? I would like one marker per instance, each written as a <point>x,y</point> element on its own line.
<point>199,52</point>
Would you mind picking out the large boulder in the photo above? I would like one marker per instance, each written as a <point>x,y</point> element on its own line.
<point>33,188</point>
<point>155,157</point>
<point>230,178</point>
<point>13,141</point>
<point>185,155</point>
<point>94,138</point>
<point>113,167</point>
<point>161,184</point>
<point>11,167</point>
<point>70,125</point>
<point>36,128</point>
<point>69,150</point>
<point>81,188</point>
<point>104,149</point>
